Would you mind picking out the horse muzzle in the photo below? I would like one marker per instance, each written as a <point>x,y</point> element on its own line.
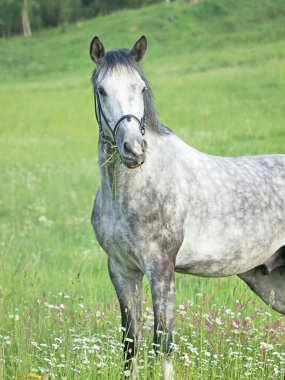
<point>133,153</point>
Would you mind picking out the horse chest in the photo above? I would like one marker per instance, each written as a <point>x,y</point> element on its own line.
<point>136,238</point>
<point>115,235</point>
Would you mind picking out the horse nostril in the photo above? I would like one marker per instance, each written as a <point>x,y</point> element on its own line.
<point>128,149</point>
<point>144,145</point>
<point>135,151</point>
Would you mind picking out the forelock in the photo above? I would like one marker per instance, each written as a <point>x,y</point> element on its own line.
<point>120,59</point>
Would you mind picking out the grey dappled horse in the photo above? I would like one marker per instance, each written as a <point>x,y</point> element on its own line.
<point>175,208</point>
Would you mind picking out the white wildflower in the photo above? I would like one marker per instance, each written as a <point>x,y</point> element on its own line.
<point>127,373</point>
<point>218,321</point>
<point>266,346</point>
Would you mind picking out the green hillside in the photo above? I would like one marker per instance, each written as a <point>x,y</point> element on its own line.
<point>226,30</point>
<point>225,44</point>
<point>217,69</point>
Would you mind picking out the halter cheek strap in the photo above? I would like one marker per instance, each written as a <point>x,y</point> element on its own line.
<point>100,114</point>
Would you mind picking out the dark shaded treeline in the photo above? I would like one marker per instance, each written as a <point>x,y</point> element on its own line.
<point>25,16</point>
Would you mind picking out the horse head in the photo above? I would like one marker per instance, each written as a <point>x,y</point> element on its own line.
<point>119,93</point>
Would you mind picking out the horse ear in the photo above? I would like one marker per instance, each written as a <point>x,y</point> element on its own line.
<point>97,50</point>
<point>139,49</point>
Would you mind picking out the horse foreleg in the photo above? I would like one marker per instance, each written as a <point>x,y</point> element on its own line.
<point>128,286</point>
<point>269,287</point>
<point>163,293</point>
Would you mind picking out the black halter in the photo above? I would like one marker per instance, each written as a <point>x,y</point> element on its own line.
<point>99,113</point>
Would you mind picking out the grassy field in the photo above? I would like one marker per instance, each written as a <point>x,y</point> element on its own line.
<point>218,74</point>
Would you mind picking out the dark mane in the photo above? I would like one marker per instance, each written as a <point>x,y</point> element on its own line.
<point>122,59</point>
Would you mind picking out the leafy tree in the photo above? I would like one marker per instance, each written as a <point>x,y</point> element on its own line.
<point>21,16</point>
<point>10,17</point>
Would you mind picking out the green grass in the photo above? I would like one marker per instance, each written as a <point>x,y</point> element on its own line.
<point>218,74</point>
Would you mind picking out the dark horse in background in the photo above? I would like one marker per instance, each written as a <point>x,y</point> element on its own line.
<point>175,208</point>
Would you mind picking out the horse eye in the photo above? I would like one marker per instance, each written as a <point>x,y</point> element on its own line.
<point>102,91</point>
<point>144,89</point>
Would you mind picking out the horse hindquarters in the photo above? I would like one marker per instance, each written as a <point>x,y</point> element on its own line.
<point>269,287</point>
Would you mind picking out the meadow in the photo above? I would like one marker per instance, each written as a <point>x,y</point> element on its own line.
<point>217,70</point>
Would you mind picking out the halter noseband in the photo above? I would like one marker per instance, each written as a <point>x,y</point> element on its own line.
<point>99,114</point>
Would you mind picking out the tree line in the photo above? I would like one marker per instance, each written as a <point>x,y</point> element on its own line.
<point>25,16</point>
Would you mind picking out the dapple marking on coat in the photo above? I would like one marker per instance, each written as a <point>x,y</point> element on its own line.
<point>175,208</point>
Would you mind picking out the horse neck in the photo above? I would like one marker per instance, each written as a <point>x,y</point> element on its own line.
<point>106,167</point>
